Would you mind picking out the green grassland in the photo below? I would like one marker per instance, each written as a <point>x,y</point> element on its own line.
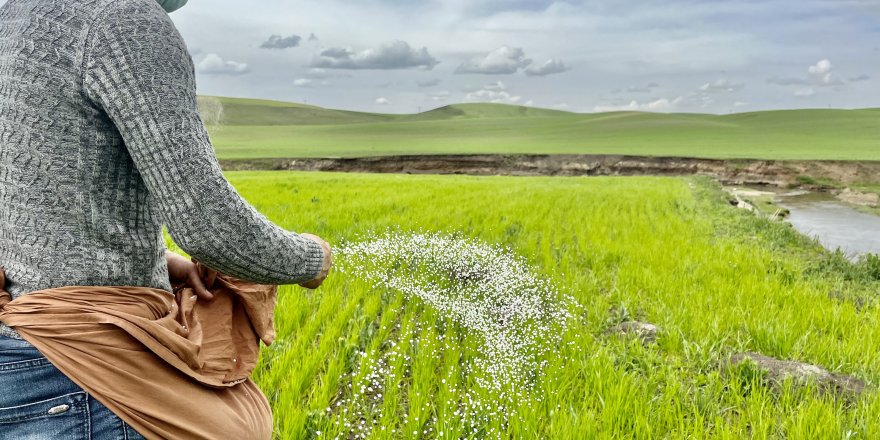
<point>669,251</point>
<point>249,128</point>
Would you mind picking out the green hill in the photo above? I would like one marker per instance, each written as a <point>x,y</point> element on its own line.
<point>251,128</point>
<point>243,111</point>
<point>462,111</point>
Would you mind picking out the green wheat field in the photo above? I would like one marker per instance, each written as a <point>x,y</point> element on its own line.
<point>669,251</point>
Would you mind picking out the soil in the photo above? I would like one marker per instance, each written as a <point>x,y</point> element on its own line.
<point>871,200</point>
<point>785,174</point>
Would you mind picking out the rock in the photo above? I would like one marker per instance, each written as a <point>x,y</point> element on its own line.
<point>642,330</point>
<point>746,205</point>
<point>859,198</point>
<point>778,370</point>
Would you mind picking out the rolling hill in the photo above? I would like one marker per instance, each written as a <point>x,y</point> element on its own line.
<point>251,128</point>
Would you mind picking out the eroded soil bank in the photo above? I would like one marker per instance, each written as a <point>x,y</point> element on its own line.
<point>788,174</point>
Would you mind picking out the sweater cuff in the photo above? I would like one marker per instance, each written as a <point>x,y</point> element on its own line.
<point>314,259</point>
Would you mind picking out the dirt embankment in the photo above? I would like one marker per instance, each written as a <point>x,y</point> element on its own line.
<point>813,174</point>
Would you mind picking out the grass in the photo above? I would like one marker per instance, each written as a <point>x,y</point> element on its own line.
<point>248,128</point>
<point>668,251</point>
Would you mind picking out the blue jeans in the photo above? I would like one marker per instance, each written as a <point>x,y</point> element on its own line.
<point>39,402</point>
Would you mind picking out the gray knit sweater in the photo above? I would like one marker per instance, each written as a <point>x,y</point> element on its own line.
<point>101,143</point>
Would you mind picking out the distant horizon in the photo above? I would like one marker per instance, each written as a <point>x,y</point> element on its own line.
<point>541,108</point>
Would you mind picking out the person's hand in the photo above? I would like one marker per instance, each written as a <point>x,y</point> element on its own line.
<point>183,271</point>
<point>325,269</point>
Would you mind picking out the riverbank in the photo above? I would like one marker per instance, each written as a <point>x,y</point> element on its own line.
<point>822,175</point>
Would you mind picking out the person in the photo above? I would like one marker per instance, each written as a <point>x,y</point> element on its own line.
<point>101,144</point>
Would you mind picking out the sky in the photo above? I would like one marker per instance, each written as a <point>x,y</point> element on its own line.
<point>403,56</point>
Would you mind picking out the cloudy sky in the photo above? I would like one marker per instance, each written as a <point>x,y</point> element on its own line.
<point>716,56</point>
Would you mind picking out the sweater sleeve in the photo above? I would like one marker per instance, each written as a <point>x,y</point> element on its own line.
<point>136,68</point>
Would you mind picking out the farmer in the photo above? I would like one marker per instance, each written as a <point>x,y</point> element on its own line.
<point>101,143</point>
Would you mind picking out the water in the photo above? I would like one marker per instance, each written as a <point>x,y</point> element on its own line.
<point>834,223</point>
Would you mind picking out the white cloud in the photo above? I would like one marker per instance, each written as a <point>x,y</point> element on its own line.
<point>710,94</point>
<point>803,93</point>
<point>308,82</point>
<point>548,68</point>
<point>820,74</point>
<point>382,101</point>
<point>213,64</point>
<point>502,97</point>
<point>821,68</point>
<point>659,105</point>
<point>721,85</point>
<point>394,55</point>
<point>738,104</point>
<point>502,61</point>
<point>440,96</point>
<point>495,92</point>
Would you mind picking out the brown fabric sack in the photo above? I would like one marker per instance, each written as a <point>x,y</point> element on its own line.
<point>173,367</point>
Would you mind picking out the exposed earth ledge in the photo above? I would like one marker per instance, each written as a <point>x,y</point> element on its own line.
<point>782,173</point>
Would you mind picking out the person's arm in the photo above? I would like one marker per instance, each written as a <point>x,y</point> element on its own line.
<point>137,69</point>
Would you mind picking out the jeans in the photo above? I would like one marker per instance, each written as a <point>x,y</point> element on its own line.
<point>39,402</point>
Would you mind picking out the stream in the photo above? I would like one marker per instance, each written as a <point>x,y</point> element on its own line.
<point>834,223</point>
